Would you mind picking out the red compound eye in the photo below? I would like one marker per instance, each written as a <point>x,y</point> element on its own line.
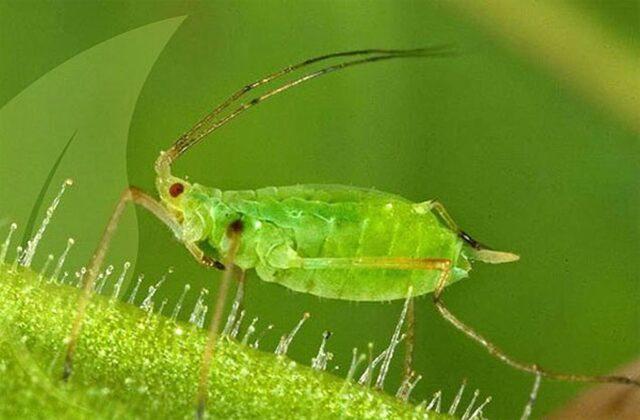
<point>176,189</point>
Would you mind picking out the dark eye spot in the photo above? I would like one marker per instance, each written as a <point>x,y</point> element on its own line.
<point>176,189</point>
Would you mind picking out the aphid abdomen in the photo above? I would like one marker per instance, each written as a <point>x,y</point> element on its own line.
<point>286,224</point>
<point>338,222</point>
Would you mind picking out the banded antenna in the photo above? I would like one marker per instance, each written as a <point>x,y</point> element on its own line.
<point>209,123</point>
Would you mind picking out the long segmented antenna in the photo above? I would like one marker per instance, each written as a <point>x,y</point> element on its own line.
<point>209,123</point>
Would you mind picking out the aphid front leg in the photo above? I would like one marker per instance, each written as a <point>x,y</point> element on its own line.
<point>136,196</point>
<point>496,352</point>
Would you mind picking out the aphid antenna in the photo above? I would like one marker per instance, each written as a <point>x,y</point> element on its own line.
<point>211,122</point>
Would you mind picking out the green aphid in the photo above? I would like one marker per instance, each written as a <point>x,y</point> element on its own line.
<point>327,240</point>
<point>332,241</point>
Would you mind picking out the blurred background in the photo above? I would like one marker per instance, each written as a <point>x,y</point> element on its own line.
<point>529,137</point>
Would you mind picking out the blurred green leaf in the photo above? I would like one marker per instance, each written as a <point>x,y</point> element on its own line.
<point>92,97</point>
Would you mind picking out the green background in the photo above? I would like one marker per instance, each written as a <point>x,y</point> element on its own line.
<point>521,162</point>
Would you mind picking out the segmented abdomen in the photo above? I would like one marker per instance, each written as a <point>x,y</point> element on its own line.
<point>342,222</point>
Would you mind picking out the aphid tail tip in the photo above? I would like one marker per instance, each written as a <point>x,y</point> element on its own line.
<point>493,257</point>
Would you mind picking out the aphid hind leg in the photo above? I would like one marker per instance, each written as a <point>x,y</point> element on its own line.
<point>389,263</point>
<point>130,194</point>
<point>496,352</point>
<point>444,266</point>
<point>441,211</point>
<point>234,232</point>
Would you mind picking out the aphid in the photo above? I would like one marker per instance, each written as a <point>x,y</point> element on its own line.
<point>332,241</point>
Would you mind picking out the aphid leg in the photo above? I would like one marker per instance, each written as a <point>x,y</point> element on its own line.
<point>501,355</point>
<point>444,266</point>
<point>409,343</point>
<point>438,207</point>
<point>130,194</point>
<point>234,232</point>
<point>199,255</point>
<point>382,263</point>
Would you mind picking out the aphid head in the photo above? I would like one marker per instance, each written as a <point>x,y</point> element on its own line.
<point>172,191</point>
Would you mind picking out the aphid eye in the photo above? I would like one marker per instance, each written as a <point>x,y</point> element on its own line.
<point>176,189</point>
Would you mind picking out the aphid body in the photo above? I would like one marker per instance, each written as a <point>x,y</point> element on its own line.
<point>289,231</point>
